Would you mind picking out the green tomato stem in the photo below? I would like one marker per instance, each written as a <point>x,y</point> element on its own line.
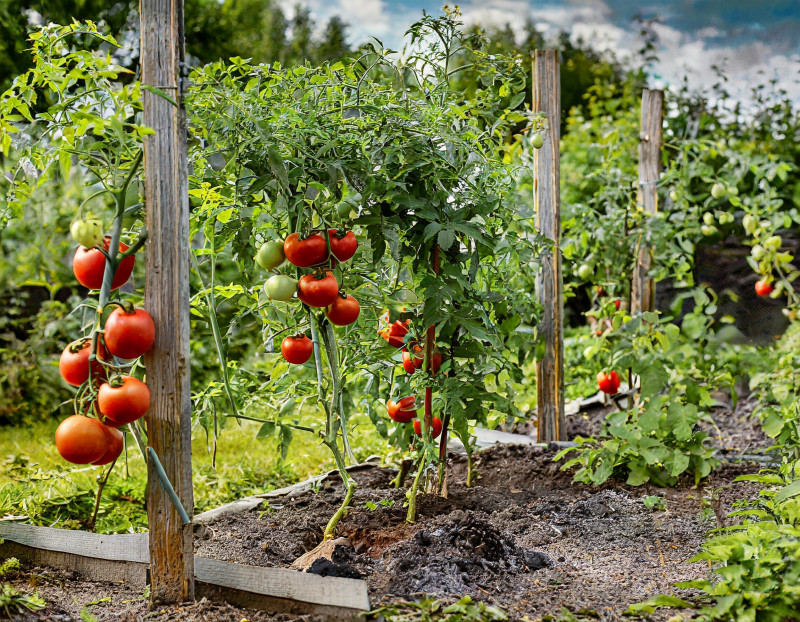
<point>330,529</point>
<point>411,517</point>
<point>212,316</point>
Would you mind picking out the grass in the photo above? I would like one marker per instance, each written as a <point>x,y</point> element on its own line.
<point>36,483</point>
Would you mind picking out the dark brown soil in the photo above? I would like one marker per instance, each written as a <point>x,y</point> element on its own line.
<point>69,597</point>
<point>525,538</point>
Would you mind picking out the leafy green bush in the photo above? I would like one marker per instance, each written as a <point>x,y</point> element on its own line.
<point>654,439</point>
<point>757,563</point>
<point>777,386</point>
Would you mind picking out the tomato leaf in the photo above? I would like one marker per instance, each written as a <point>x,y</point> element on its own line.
<point>445,239</point>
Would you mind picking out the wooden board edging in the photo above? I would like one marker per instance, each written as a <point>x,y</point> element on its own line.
<point>285,584</point>
<point>134,574</point>
<point>124,557</point>
<point>127,547</point>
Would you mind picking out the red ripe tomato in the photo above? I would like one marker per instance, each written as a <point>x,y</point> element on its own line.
<point>318,290</point>
<point>413,364</point>
<point>403,410</point>
<point>618,303</point>
<point>89,264</point>
<point>129,335</point>
<point>436,361</point>
<point>124,403</point>
<point>343,244</point>
<point>297,350</point>
<point>343,311</point>
<point>305,253</point>
<point>763,288</point>
<point>114,447</point>
<point>81,440</point>
<point>608,382</point>
<point>74,362</point>
<point>395,333</point>
<point>436,425</point>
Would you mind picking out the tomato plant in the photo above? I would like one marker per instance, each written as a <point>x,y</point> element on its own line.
<point>336,159</point>
<point>105,148</point>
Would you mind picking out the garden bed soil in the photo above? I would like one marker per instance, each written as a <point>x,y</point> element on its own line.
<point>525,538</point>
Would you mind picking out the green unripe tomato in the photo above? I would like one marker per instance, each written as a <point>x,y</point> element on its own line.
<point>585,272</point>
<point>750,223</point>
<point>673,194</point>
<point>757,252</point>
<point>280,287</point>
<point>718,191</point>
<point>537,141</point>
<point>88,233</point>
<point>343,210</point>
<point>270,255</point>
<point>773,243</point>
<point>708,218</point>
<point>708,230</point>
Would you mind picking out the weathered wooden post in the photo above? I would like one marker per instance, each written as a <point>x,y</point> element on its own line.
<point>642,287</point>
<point>167,300</point>
<point>551,422</point>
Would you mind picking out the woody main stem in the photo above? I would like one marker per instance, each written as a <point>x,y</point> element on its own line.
<point>430,342</point>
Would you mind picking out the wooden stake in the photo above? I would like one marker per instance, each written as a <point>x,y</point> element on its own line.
<point>551,422</point>
<point>167,299</point>
<point>642,287</point>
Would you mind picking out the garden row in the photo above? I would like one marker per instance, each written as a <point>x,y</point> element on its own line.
<point>392,189</point>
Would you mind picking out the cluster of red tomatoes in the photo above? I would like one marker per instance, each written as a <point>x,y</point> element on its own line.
<point>405,409</point>
<point>318,289</point>
<point>115,399</point>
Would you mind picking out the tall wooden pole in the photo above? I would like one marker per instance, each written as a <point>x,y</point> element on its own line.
<point>551,422</point>
<point>642,287</point>
<point>167,300</point>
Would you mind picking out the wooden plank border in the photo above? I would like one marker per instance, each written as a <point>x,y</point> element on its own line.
<point>125,557</point>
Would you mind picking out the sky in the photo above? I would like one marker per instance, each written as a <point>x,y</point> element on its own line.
<point>751,39</point>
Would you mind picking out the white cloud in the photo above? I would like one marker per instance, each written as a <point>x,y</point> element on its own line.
<point>680,54</point>
<point>365,18</point>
